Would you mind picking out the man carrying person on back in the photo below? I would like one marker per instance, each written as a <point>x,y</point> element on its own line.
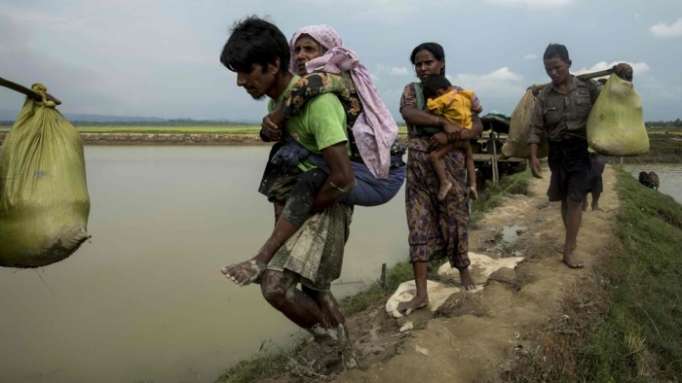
<point>259,53</point>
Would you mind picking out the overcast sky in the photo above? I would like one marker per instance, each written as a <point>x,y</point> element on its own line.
<point>160,58</point>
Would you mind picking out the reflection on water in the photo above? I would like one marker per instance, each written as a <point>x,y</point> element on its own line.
<point>144,300</point>
<point>670,176</point>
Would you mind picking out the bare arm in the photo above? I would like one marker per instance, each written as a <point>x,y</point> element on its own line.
<point>414,116</point>
<point>534,161</point>
<point>456,133</point>
<point>306,89</point>
<point>535,137</point>
<point>341,178</point>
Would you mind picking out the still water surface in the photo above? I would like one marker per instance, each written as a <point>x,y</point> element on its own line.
<point>144,301</point>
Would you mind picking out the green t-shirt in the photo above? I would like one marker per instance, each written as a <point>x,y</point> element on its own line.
<point>321,123</point>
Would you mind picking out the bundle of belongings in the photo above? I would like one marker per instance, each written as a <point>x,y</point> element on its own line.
<point>44,202</point>
<point>519,129</point>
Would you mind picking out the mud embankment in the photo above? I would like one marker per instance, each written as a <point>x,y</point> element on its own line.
<point>476,336</point>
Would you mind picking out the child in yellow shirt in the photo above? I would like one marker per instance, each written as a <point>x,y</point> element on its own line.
<point>455,105</point>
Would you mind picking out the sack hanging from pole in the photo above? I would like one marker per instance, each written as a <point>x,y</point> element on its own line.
<point>44,202</point>
<point>615,126</point>
<point>519,129</point>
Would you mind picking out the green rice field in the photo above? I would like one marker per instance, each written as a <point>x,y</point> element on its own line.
<point>161,128</point>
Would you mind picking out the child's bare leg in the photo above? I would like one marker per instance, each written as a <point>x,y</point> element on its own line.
<point>439,167</point>
<point>471,172</point>
<point>290,217</point>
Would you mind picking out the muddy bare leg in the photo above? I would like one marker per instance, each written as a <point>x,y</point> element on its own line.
<point>334,319</point>
<point>248,271</point>
<point>288,219</point>
<point>328,305</point>
<point>279,290</point>
<point>421,299</point>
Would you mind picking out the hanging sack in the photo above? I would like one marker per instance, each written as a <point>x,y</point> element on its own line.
<point>44,203</point>
<point>615,126</point>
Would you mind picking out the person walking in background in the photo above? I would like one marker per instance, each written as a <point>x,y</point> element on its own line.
<point>560,116</point>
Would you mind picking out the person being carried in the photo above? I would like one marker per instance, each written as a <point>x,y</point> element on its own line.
<point>455,105</point>
<point>326,66</point>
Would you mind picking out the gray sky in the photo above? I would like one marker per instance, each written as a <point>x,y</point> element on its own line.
<point>160,58</point>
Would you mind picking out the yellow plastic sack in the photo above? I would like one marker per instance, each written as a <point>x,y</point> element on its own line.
<point>519,129</point>
<point>44,203</point>
<point>616,126</point>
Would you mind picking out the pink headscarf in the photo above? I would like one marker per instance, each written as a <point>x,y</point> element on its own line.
<point>374,130</point>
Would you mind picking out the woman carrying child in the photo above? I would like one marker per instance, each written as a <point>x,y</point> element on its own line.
<point>434,225</point>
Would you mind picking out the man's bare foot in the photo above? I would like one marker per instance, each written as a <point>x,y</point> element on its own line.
<point>570,261</point>
<point>415,303</point>
<point>244,273</point>
<point>465,278</point>
<point>444,190</point>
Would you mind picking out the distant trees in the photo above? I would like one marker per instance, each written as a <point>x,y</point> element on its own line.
<point>674,124</point>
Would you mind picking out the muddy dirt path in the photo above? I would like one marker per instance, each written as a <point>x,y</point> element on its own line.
<point>475,338</point>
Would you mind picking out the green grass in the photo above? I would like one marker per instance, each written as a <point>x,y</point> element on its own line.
<point>173,128</point>
<point>161,128</point>
<point>625,324</point>
<point>399,273</point>
<point>640,338</point>
<point>226,129</point>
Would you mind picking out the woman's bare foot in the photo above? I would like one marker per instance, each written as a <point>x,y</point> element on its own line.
<point>244,273</point>
<point>415,303</point>
<point>466,279</point>
<point>445,187</point>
